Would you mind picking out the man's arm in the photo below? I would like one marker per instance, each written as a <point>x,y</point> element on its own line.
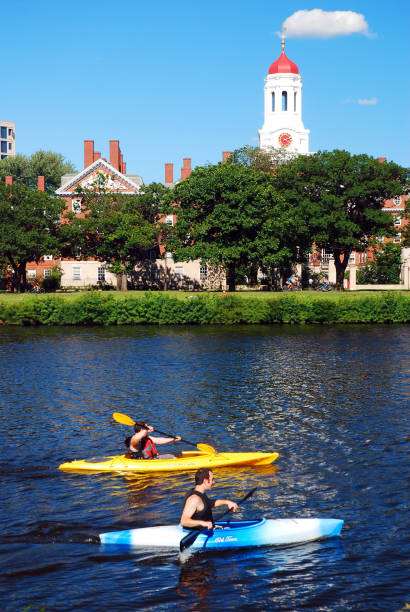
<point>226,502</point>
<point>164,440</point>
<point>191,506</point>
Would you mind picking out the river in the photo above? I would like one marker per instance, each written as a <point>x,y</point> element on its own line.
<point>333,401</point>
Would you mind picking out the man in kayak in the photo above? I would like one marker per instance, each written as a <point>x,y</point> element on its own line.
<point>142,446</point>
<point>197,510</point>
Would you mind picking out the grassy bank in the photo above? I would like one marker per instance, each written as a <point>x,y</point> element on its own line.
<point>131,308</point>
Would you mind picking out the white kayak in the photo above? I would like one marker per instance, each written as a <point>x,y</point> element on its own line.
<point>230,534</point>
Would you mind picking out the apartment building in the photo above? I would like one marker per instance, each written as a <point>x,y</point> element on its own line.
<point>7,139</point>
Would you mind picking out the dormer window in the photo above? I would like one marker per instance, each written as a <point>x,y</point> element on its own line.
<point>397,200</point>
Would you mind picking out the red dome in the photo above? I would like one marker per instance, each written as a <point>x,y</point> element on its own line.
<point>283,64</point>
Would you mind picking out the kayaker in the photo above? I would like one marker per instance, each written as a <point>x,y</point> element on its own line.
<point>143,446</point>
<point>197,510</point>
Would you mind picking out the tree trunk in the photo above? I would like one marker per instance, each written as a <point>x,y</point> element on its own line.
<point>231,276</point>
<point>341,265</point>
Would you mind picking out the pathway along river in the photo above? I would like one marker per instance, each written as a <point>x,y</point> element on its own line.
<point>332,400</point>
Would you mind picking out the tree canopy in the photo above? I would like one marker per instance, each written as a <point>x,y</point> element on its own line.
<point>116,228</point>
<point>231,215</point>
<point>29,228</point>
<point>259,159</point>
<point>338,197</point>
<point>25,170</point>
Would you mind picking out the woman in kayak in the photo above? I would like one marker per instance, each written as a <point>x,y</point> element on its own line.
<point>142,446</point>
<point>197,510</point>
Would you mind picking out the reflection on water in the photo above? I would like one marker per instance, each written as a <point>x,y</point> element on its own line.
<point>332,401</point>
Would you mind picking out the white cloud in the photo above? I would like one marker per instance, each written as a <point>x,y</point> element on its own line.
<point>324,24</point>
<point>367,101</point>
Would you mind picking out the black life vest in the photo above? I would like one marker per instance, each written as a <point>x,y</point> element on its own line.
<point>146,448</point>
<point>206,513</point>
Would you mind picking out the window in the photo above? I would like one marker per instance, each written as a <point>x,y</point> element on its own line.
<point>179,272</point>
<point>10,133</point>
<point>397,237</point>
<point>273,102</point>
<point>76,273</point>
<point>47,273</point>
<point>397,200</point>
<point>352,258</point>
<point>3,132</point>
<point>294,101</point>
<point>4,146</point>
<point>169,220</point>
<point>31,274</point>
<point>101,274</point>
<point>169,255</point>
<point>284,100</point>
<point>3,156</point>
<point>326,256</point>
<point>203,273</point>
<point>48,257</point>
<point>76,205</point>
<point>10,146</point>
<point>397,220</point>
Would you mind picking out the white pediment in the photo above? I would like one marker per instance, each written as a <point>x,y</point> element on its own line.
<point>116,181</point>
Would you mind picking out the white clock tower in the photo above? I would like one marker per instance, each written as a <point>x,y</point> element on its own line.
<point>283,125</point>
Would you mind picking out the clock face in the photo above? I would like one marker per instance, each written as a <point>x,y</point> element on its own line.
<point>285,139</point>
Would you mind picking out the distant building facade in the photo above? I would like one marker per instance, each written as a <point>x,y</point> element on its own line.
<point>7,139</point>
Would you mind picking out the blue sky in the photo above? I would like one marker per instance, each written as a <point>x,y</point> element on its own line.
<point>185,79</point>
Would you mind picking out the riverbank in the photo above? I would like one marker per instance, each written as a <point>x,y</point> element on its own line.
<point>158,308</point>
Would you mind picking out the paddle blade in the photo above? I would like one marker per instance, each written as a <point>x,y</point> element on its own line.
<point>189,539</point>
<point>206,448</point>
<point>123,418</point>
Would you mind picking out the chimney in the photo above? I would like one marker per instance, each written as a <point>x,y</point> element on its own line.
<point>41,183</point>
<point>186,168</point>
<point>9,180</point>
<point>382,160</point>
<point>226,155</point>
<point>115,154</point>
<point>124,168</point>
<point>169,173</point>
<point>88,153</point>
<point>97,155</point>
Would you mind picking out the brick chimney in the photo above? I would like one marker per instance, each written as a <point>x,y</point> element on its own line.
<point>9,180</point>
<point>186,168</point>
<point>41,183</point>
<point>88,153</point>
<point>115,154</point>
<point>97,155</point>
<point>169,173</point>
<point>226,155</point>
<point>382,160</point>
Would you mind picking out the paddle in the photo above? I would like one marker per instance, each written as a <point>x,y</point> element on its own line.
<point>192,535</point>
<point>126,420</point>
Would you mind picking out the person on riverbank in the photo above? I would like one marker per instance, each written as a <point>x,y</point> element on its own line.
<point>143,446</point>
<point>197,510</point>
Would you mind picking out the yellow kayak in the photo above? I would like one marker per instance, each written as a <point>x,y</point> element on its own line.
<point>189,460</point>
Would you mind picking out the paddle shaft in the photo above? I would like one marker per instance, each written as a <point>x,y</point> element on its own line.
<point>192,535</point>
<point>170,436</point>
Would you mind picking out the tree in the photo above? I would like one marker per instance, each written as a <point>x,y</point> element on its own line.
<point>259,159</point>
<point>230,215</point>
<point>385,269</point>
<point>25,170</point>
<point>116,228</point>
<point>29,228</point>
<point>338,196</point>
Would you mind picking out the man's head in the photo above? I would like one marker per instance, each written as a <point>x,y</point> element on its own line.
<point>204,474</point>
<point>140,426</point>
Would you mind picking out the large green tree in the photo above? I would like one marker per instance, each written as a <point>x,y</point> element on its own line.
<point>338,197</point>
<point>29,228</point>
<point>230,215</point>
<point>116,228</point>
<point>25,170</point>
<point>260,159</point>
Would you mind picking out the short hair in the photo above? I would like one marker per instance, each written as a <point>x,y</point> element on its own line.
<point>201,474</point>
<point>139,426</point>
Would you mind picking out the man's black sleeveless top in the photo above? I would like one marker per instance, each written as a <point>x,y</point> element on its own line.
<point>206,513</point>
